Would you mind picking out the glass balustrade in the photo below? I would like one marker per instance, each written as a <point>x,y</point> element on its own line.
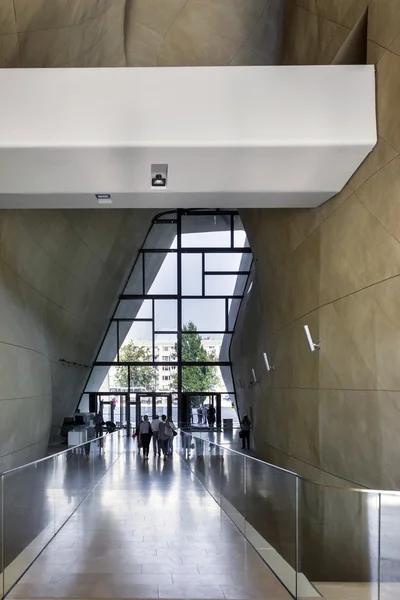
<point>319,540</point>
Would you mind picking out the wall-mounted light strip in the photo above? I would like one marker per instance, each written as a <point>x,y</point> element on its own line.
<point>250,286</point>
<point>254,376</point>
<point>313,346</point>
<point>268,366</point>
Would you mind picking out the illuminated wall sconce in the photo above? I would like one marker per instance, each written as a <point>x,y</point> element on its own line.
<point>254,376</point>
<point>313,346</point>
<point>268,366</point>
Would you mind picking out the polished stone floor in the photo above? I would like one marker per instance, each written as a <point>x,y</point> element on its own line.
<point>149,530</point>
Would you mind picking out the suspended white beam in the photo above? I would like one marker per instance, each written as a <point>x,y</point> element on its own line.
<point>222,136</point>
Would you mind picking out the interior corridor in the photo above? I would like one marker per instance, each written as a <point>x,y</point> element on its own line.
<point>149,530</point>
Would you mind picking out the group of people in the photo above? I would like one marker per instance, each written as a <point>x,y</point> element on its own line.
<point>161,431</point>
<point>205,415</point>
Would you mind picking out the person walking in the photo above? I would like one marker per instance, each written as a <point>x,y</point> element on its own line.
<point>155,426</point>
<point>98,423</point>
<point>246,426</point>
<point>145,436</point>
<point>199,416</point>
<point>164,433</point>
<point>172,433</point>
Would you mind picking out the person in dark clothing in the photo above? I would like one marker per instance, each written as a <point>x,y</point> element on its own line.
<point>98,423</point>
<point>211,416</point>
<point>246,426</point>
<point>145,436</point>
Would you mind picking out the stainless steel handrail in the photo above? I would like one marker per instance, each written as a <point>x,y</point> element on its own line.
<point>39,460</point>
<point>325,485</point>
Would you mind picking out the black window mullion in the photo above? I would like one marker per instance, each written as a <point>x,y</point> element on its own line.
<point>203,276</point>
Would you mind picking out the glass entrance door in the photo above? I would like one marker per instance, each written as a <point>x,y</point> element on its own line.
<point>155,403</point>
<point>201,410</point>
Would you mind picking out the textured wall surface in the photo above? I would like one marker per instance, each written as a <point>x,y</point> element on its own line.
<point>336,269</point>
<point>137,33</point>
<point>60,276</point>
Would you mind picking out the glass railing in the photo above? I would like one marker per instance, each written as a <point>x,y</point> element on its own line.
<point>38,498</point>
<point>320,540</point>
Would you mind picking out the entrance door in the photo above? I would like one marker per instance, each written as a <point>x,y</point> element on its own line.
<point>155,403</point>
<point>200,410</point>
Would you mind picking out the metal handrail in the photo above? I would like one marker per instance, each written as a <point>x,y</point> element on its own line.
<point>305,479</point>
<point>40,460</point>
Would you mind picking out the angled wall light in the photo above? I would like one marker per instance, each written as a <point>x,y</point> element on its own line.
<point>250,286</point>
<point>254,376</point>
<point>313,346</point>
<point>268,366</point>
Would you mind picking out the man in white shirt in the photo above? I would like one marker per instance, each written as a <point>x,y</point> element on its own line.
<point>155,426</point>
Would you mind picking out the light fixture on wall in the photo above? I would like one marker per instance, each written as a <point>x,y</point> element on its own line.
<point>268,366</point>
<point>313,346</point>
<point>254,376</point>
<point>250,286</point>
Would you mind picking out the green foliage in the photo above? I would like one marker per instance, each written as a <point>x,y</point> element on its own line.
<point>196,379</point>
<point>141,377</point>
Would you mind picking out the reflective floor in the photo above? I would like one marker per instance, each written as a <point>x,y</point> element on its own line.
<point>149,530</point>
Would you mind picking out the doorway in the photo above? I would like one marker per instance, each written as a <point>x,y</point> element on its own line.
<point>156,403</point>
<point>200,410</point>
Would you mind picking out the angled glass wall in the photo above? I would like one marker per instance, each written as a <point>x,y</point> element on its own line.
<point>167,347</point>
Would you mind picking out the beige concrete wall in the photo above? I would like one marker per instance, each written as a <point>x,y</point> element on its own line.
<point>336,269</point>
<point>138,33</point>
<point>60,276</point>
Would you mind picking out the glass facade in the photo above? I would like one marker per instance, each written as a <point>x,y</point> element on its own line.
<point>172,328</point>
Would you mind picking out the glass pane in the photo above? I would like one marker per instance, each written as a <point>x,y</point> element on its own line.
<point>240,238</point>
<point>390,551</point>
<point>134,309</point>
<point>136,341</point>
<point>206,315</point>
<point>225,285</point>
<point>84,404</point>
<point>228,411</point>
<point>109,348</point>
<point>327,516</point>
<point>135,281</point>
<point>202,379</point>
<point>233,307</point>
<point>206,231</point>
<point>225,380</point>
<point>192,275</point>
<point>270,513</point>
<point>98,380</point>
<point>165,315</point>
<point>228,261</point>
<point>161,273</point>
<point>161,236</point>
<point>205,347</point>
<point>165,347</point>
<point>29,505</point>
<point>166,216</point>
<point>153,379</point>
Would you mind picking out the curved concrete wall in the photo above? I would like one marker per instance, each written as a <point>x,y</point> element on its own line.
<point>117,33</point>
<point>333,414</point>
<point>60,276</point>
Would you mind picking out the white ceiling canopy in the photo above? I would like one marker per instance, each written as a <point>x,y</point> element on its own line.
<point>220,136</point>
